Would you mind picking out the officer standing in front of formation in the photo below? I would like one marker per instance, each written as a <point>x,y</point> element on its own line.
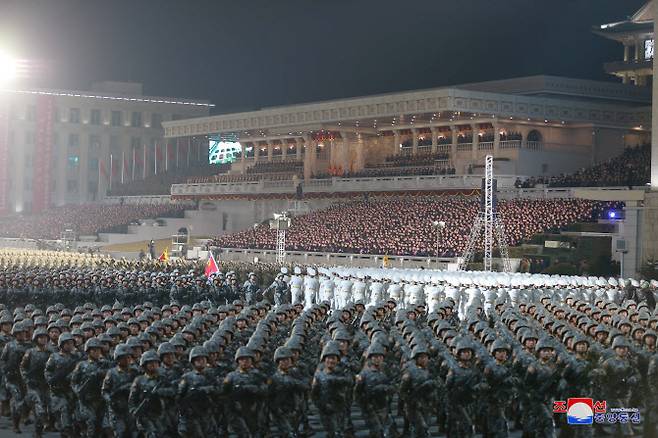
<point>251,290</point>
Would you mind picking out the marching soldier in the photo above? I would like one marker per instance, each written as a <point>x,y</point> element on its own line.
<point>148,395</point>
<point>86,381</point>
<point>33,365</point>
<point>116,389</point>
<point>57,372</point>
<point>372,391</point>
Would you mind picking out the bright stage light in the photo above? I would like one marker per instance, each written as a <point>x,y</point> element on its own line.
<point>8,68</point>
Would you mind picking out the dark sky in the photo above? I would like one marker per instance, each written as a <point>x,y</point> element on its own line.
<point>245,54</point>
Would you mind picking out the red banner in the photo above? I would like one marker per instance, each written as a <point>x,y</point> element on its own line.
<point>4,155</point>
<point>43,154</point>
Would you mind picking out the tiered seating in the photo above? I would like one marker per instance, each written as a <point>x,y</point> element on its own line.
<point>85,219</point>
<point>403,226</point>
<point>276,167</point>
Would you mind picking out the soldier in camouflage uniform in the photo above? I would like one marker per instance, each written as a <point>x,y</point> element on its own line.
<point>57,372</point>
<point>418,389</point>
<point>244,390</point>
<point>194,398</point>
<point>10,359</point>
<point>498,389</point>
<point>86,381</point>
<point>286,394</point>
<point>148,396</point>
<point>329,391</point>
<point>115,391</point>
<point>251,290</point>
<point>373,391</point>
<point>542,381</point>
<point>32,370</point>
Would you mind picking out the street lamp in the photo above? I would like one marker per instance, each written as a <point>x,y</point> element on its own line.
<point>438,226</point>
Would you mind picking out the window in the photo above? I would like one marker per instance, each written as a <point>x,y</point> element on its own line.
<point>136,121</point>
<point>94,142</point>
<point>74,140</point>
<point>116,118</point>
<point>74,115</point>
<point>73,161</point>
<point>31,113</point>
<point>72,186</point>
<point>156,121</point>
<point>95,117</point>
<point>93,166</point>
<point>114,143</point>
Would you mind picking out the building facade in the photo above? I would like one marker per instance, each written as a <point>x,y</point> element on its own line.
<point>540,125</point>
<point>637,37</point>
<point>59,146</point>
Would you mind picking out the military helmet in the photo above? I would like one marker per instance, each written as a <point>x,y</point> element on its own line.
<point>197,352</point>
<point>578,338</point>
<point>65,337</point>
<point>244,352</point>
<point>620,341</point>
<point>544,343</point>
<point>211,347</point>
<point>93,343</point>
<point>122,350</point>
<point>418,350</point>
<point>376,349</point>
<point>148,356</point>
<point>39,332</point>
<point>282,353</point>
<point>330,349</point>
<point>499,344</point>
<point>166,347</point>
<point>17,328</point>
<point>464,344</point>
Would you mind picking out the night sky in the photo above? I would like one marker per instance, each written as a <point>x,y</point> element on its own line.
<point>247,54</point>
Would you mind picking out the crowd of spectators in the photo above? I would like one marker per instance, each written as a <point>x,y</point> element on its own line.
<point>277,167</point>
<point>239,178</point>
<point>631,168</point>
<point>403,226</point>
<point>400,171</point>
<point>83,219</point>
<point>408,160</point>
<point>160,184</point>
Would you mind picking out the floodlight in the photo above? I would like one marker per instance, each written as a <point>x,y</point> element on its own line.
<point>8,68</point>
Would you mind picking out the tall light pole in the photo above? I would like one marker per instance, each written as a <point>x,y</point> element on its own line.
<point>438,227</point>
<point>280,223</point>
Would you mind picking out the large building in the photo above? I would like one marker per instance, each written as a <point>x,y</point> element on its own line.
<point>636,36</point>
<point>65,146</point>
<point>539,125</point>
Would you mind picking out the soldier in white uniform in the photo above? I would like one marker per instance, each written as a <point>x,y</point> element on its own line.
<point>326,291</point>
<point>296,283</point>
<point>311,286</point>
<point>376,291</point>
<point>359,289</point>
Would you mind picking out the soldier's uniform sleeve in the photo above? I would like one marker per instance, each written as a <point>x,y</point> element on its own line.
<point>107,388</point>
<point>25,364</point>
<point>134,398</point>
<point>75,378</point>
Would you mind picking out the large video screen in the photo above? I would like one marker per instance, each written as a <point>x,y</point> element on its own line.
<point>221,152</point>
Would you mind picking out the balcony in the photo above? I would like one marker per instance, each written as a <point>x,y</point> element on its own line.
<point>629,66</point>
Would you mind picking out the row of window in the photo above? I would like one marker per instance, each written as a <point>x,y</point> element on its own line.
<point>116,117</point>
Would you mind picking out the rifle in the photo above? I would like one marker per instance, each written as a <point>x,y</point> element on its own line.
<point>141,404</point>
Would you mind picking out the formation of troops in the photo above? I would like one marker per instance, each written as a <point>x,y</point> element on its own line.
<point>413,351</point>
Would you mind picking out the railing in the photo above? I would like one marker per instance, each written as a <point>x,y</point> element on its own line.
<point>444,148</point>
<point>342,185</point>
<point>486,146</point>
<point>425,149</point>
<point>154,199</point>
<point>463,147</point>
<point>534,145</point>
<point>633,64</point>
<point>510,144</point>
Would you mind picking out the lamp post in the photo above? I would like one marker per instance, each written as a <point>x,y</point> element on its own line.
<point>438,226</point>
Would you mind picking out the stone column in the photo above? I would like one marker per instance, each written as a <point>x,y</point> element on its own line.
<point>453,146</point>
<point>270,148</point>
<point>243,159</point>
<point>435,140</point>
<point>284,150</point>
<point>396,142</point>
<point>638,50</point>
<point>476,140</point>
<point>627,52</point>
<point>344,161</point>
<point>414,144</point>
<point>654,118</point>
<point>309,157</point>
<point>298,149</point>
<point>496,142</point>
<point>360,146</point>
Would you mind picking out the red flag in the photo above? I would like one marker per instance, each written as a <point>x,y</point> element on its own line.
<point>211,266</point>
<point>164,257</point>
